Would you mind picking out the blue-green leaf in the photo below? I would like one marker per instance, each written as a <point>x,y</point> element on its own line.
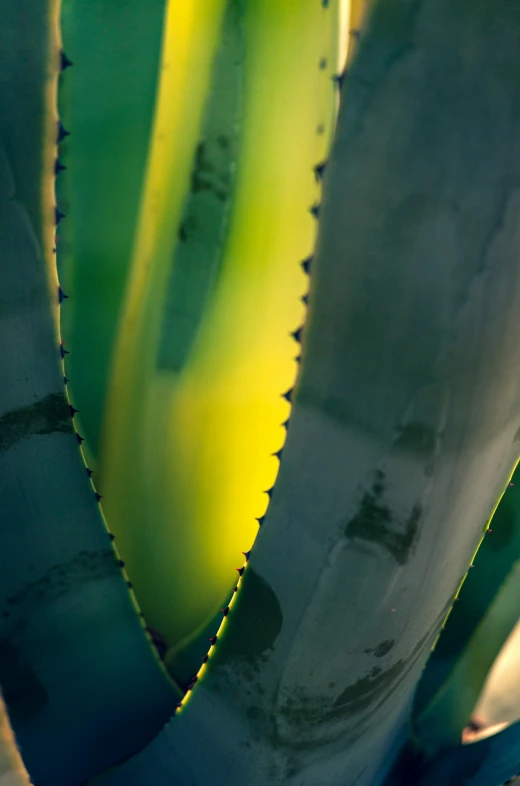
<point>483,617</point>
<point>491,761</point>
<point>81,682</point>
<point>401,438</point>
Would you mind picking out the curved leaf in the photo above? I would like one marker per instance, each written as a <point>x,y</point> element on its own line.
<point>402,433</point>
<point>492,761</point>
<point>499,701</point>
<point>106,102</point>
<point>71,640</point>
<point>190,39</point>
<point>187,462</point>
<point>477,628</point>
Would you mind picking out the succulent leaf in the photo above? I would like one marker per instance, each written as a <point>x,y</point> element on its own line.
<point>70,637</point>
<point>201,434</point>
<point>106,100</point>
<point>404,398</point>
<point>133,454</point>
<point>406,406</point>
<point>492,761</point>
<point>486,612</point>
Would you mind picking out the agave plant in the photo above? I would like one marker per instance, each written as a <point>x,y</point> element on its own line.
<point>271,334</point>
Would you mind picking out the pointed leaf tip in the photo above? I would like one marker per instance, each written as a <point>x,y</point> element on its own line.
<point>62,132</point>
<point>339,79</point>
<point>306,265</point>
<point>319,170</point>
<point>65,62</point>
